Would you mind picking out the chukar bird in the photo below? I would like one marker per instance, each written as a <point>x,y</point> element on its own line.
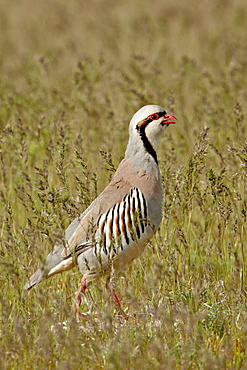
<point>116,227</point>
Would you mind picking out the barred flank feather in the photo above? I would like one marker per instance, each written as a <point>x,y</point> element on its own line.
<point>126,222</point>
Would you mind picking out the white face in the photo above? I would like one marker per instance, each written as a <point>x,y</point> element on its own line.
<point>147,118</point>
<point>153,132</point>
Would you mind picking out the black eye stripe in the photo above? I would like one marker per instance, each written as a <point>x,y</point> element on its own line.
<point>160,114</point>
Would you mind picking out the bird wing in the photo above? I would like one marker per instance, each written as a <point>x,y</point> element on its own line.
<point>80,233</point>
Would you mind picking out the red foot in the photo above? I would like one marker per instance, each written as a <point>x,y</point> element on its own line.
<point>78,296</point>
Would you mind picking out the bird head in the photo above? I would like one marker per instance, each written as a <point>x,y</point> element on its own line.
<point>146,127</point>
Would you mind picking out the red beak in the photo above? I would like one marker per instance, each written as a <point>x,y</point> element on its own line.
<point>168,119</point>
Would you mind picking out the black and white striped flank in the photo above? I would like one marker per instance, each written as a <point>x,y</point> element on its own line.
<point>124,223</point>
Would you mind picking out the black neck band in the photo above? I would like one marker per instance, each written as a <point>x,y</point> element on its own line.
<point>146,142</point>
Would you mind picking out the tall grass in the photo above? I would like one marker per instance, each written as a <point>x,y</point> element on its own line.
<point>72,75</point>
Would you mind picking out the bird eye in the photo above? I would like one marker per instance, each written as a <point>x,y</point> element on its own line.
<point>154,116</point>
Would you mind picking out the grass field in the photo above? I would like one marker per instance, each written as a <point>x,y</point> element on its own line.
<point>72,74</point>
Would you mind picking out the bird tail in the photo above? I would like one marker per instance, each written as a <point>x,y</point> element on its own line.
<point>54,264</point>
<point>36,278</point>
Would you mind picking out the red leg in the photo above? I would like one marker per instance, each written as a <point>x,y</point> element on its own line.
<point>112,293</point>
<point>78,295</point>
<point>115,298</point>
